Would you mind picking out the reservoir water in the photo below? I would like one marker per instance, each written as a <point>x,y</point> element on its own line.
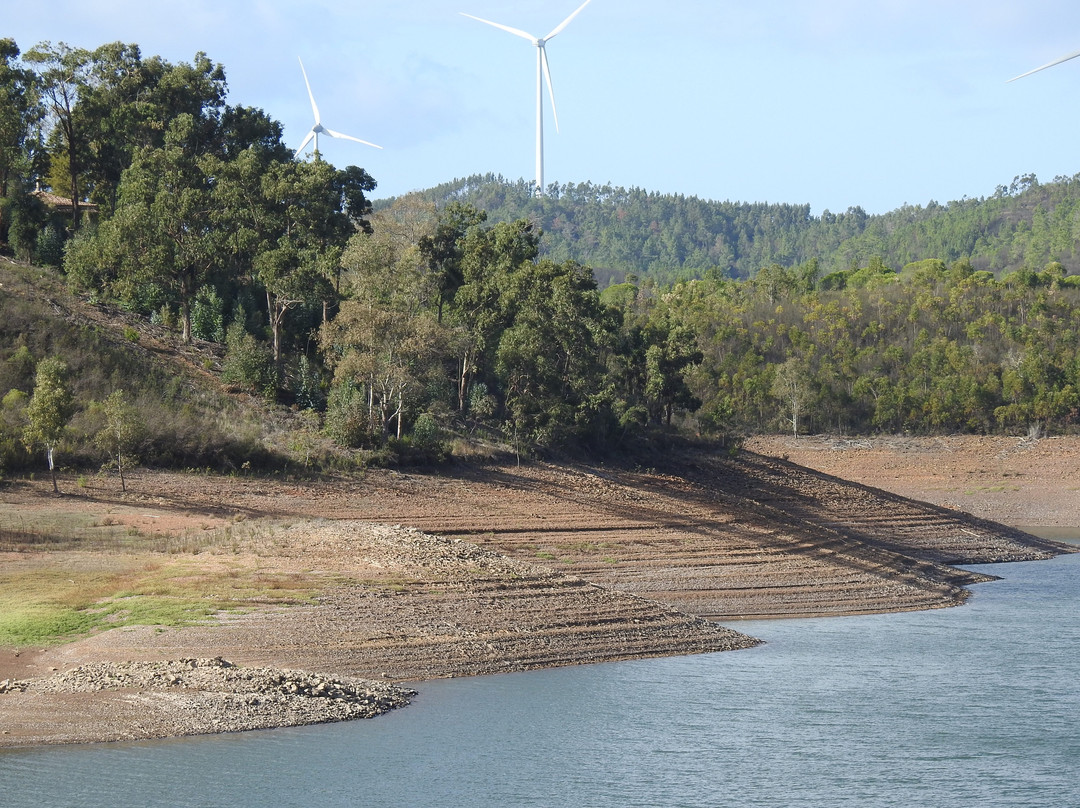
<point>976,705</point>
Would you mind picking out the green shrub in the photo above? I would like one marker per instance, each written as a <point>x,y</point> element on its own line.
<point>26,218</point>
<point>481,403</point>
<point>50,247</point>
<point>207,319</point>
<point>165,317</point>
<point>13,454</point>
<point>249,364</point>
<point>306,385</point>
<point>17,372</point>
<point>346,417</point>
<point>426,433</point>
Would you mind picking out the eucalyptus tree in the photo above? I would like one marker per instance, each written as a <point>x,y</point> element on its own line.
<point>286,223</point>
<point>121,430</point>
<point>386,339</point>
<point>19,113</point>
<point>112,117</point>
<point>64,73</point>
<point>389,354</point>
<point>163,239</point>
<point>443,248</point>
<point>549,359</point>
<point>791,386</point>
<point>51,407</point>
<point>128,102</point>
<point>672,349</point>
<point>300,263</point>
<point>488,257</point>
<point>242,129</point>
<point>106,104</point>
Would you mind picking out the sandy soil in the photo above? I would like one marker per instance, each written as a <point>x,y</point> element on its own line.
<point>1017,481</point>
<point>483,569</point>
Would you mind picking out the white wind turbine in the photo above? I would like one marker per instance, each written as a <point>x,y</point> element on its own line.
<point>1048,64</point>
<point>318,128</point>
<point>542,71</point>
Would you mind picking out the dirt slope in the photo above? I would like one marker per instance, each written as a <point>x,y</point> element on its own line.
<point>721,538</point>
<point>1017,481</point>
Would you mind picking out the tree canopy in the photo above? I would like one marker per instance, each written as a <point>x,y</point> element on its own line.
<point>587,318</point>
<point>671,237</point>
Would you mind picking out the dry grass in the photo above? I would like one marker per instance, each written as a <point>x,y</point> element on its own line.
<point>69,575</point>
<point>60,529</point>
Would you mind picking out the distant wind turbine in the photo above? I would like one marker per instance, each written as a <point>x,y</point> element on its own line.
<point>1048,64</point>
<point>542,71</point>
<point>318,128</point>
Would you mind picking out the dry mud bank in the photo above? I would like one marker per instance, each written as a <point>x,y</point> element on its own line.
<point>1017,481</point>
<point>495,568</point>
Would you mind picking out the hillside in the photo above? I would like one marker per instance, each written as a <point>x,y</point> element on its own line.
<point>665,237</point>
<point>189,417</point>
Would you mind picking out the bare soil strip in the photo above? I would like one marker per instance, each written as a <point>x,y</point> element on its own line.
<point>481,570</point>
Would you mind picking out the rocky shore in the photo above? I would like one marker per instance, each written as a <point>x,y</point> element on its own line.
<point>200,696</point>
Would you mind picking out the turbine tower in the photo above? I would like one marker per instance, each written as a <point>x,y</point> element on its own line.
<point>318,128</point>
<point>543,71</point>
<point>1048,64</point>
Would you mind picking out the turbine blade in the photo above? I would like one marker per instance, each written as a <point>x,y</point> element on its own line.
<point>311,95</point>
<point>566,22</point>
<point>307,140</point>
<point>332,133</point>
<point>551,90</point>
<point>507,28</point>
<point>1049,64</point>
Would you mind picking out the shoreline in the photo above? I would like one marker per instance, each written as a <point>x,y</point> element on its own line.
<point>189,697</point>
<point>1064,534</point>
<point>504,569</point>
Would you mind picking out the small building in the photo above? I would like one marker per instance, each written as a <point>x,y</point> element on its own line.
<point>60,208</point>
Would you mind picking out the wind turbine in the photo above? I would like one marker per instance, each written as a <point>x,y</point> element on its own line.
<point>318,128</point>
<point>542,71</point>
<point>1048,64</point>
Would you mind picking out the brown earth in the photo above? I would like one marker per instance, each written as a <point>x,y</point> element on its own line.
<point>1018,481</point>
<point>484,569</point>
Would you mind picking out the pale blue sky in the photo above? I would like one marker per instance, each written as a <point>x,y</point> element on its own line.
<point>833,104</point>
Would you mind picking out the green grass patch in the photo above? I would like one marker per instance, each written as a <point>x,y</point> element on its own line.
<point>585,547</point>
<point>40,623</point>
<point>991,489</point>
<point>44,607</point>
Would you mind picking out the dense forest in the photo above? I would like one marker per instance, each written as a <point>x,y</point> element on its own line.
<point>586,319</point>
<point>672,237</point>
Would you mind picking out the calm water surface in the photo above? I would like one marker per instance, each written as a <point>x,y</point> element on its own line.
<point>972,706</point>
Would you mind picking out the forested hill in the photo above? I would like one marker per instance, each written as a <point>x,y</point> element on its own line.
<point>668,237</point>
